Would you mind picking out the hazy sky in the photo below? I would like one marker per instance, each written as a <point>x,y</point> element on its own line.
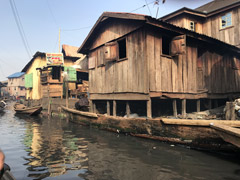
<point>41,20</point>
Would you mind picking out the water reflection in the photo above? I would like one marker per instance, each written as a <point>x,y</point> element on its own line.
<point>53,151</point>
<point>41,148</point>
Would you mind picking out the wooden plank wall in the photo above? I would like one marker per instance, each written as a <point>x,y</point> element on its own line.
<point>171,74</point>
<point>219,76</point>
<point>113,30</point>
<point>229,35</point>
<point>124,76</point>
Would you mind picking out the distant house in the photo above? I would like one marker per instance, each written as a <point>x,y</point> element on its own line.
<point>44,79</point>
<point>15,85</point>
<point>142,65</point>
<point>218,19</point>
<point>4,89</point>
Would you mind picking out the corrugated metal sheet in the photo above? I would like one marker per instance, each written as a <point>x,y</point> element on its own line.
<point>216,5</point>
<point>16,75</point>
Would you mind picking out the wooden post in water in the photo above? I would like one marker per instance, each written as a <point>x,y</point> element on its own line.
<point>94,107</point>
<point>198,105</point>
<point>90,106</point>
<point>108,108</point>
<point>184,108</point>
<point>114,108</point>
<point>149,108</point>
<point>174,107</point>
<point>128,109</point>
<point>230,111</point>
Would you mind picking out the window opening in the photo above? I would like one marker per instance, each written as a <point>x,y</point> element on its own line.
<point>192,26</point>
<point>122,49</point>
<point>226,20</point>
<point>166,45</point>
<point>56,73</point>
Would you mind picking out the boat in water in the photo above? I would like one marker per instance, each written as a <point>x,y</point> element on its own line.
<point>3,105</point>
<point>22,109</point>
<point>195,133</point>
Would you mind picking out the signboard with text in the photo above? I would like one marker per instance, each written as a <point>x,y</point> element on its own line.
<point>54,59</point>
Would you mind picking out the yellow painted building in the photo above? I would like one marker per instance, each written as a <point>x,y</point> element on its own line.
<point>34,77</point>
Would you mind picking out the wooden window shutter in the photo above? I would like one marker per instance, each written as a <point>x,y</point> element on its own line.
<point>92,62</point>
<point>178,45</point>
<point>111,51</point>
<point>29,80</point>
<point>72,74</point>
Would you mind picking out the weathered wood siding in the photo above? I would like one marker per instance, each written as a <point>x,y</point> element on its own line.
<point>175,74</point>
<point>121,76</point>
<point>211,27</point>
<point>217,74</point>
<point>184,22</point>
<point>113,30</point>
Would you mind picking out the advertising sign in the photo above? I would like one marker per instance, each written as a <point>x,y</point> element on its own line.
<point>54,59</point>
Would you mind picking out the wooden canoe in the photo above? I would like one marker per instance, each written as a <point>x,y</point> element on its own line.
<point>32,111</point>
<point>194,133</point>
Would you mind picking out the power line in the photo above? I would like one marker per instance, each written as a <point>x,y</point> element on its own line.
<point>148,8</point>
<point>20,27</point>
<point>143,6</point>
<point>76,29</point>
<point>50,9</point>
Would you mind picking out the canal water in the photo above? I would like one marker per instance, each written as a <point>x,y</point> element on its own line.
<point>42,148</point>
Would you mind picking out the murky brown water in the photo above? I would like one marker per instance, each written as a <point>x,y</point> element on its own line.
<point>41,148</point>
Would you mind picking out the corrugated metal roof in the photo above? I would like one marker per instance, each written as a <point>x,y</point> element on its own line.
<point>16,75</point>
<point>215,5</point>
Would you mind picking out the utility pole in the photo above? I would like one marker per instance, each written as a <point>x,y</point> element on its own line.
<point>59,44</point>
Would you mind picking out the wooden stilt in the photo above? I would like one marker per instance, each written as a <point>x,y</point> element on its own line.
<point>230,111</point>
<point>108,108</point>
<point>198,105</point>
<point>114,108</point>
<point>209,104</point>
<point>94,107</point>
<point>184,108</point>
<point>90,106</point>
<point>174,107</point>
<point>127,109</point>
<point>149,108</point>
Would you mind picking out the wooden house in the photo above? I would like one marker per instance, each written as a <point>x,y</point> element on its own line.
<point>218,19</point>
<point>138,64</point>
<point>46,80</point>
<point>15,85</point>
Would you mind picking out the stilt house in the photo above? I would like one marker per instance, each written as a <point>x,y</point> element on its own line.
<point>138,64</point>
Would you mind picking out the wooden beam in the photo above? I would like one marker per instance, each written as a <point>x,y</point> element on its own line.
<point>114,108</point>
<point>184,107</point>
<point>128,111</point>
<point>198,105</point>
<point>119,96</point>
<point>174,107</point>
<point>149,108</point>
<point>108,108</point>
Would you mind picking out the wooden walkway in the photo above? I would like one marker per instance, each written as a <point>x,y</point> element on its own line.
<point>227,133</point>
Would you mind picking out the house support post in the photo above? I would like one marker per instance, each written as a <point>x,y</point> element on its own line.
<point>108,108</point>
<point>230,111</point>
<point>209,104</point>
<point>184,108</point>
<point>114,108</point>
<point>174,107</point>
<point>128,109</point>
<point>149,108</point>
<point>90,105</point>
<point>198,105</point>
<point>94,107</point>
